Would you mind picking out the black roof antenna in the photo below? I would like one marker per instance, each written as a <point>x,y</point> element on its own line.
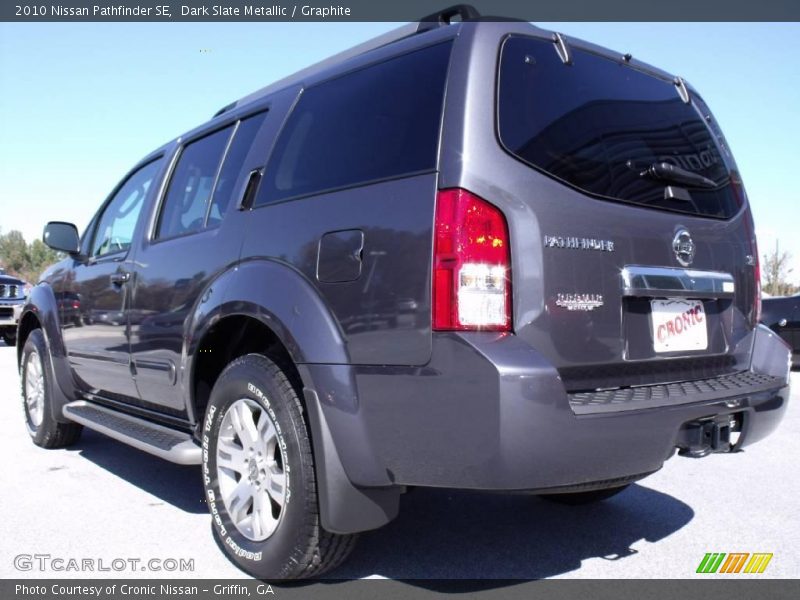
<point>445,16</point>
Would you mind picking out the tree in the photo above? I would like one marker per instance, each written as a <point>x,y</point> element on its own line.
<point>14,252</point>
<point>775,273</point>
<point>23,260</point>
<point>42,256</point>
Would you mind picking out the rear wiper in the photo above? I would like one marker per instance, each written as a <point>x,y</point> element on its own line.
<point>672,173</point>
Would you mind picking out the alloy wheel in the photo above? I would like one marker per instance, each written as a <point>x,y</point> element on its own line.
<point>251,469</point>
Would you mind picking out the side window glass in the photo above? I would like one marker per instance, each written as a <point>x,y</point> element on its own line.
<point>115,225</point>
<point>378,122</point>
<point>240,146</point>
<point>184,207</point>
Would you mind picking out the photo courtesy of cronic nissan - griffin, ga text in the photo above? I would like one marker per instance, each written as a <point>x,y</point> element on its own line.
<point>469,253</point>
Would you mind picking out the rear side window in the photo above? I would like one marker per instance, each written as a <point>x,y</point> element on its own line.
<point>598,125</point>
<point>242,141</point>
<point>190,187</point>
<point>379,122</point>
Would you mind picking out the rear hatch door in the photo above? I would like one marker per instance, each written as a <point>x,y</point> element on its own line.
<point>647,261</point>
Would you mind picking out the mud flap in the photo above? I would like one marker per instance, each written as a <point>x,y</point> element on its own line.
<point>344,508</point>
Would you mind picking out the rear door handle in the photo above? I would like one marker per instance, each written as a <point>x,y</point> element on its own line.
<point>250,188</point>
<point>120,277</point>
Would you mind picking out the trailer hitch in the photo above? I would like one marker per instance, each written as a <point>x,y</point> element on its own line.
<point>702,437</point>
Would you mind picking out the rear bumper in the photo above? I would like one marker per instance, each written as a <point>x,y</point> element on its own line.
<point>489,412</point>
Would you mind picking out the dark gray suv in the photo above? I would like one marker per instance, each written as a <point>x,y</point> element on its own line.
<point>472,255</point>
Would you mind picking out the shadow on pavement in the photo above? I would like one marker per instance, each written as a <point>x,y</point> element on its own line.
<point>178,485</point>
<point>444,534</point>
<point>485,539</point>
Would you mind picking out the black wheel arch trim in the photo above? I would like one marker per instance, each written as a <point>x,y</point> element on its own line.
<point>41,306</point>
<point>297,314</point>
<point>299,318</point>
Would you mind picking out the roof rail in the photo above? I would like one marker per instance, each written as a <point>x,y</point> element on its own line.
<point>445,16</point>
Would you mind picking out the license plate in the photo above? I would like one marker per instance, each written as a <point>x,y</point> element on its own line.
<point>678,325</point>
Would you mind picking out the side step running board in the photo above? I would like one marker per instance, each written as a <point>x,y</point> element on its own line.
<point>169,444</point>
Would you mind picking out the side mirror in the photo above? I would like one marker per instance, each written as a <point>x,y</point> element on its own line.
<point>62,237</point>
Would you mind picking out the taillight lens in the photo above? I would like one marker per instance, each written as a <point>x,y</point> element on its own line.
<point>757,275</point>
<point>471,264</point>
<point>750,229</point>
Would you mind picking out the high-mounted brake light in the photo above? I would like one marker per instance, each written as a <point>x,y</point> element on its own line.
<point>471,264</point>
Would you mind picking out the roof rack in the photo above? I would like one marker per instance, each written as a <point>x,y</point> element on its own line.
<point>439,19</point>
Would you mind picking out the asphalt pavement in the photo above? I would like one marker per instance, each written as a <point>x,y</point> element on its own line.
<point>103,502</point>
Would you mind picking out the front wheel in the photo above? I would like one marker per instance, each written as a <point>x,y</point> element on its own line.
<point>258,472</point>
<point>37,398</point>
<point>588,497</point>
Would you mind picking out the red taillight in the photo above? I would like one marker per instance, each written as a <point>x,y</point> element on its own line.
<point>750,231</point>
<point>757,276</point>
<point>471,264</point>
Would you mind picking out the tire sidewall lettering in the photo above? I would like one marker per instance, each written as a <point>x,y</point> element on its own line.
<point>264,399</point>
<point>240,546</point>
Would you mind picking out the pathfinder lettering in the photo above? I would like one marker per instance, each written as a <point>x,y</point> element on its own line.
<point>582,302</point>
<point>578,243</point>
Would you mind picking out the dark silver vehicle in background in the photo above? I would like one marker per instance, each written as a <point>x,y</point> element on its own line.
<point>12,297</point>
<point>782,315</point>
<point>473,255</point>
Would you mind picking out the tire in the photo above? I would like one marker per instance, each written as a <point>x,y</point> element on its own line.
<point>37,397</point>
<point>10,338</point>
<point>257,461</point>
<point>588,497</point>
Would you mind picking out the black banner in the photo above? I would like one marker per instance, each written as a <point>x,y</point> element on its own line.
<point>399,10</point>
<point>239,589</point>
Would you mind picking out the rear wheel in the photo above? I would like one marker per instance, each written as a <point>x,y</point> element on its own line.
<point>588,497</point>
<point>37,397</point>
<point>258,472</point>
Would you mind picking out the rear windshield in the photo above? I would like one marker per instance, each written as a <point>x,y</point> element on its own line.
<point>599,125</point>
